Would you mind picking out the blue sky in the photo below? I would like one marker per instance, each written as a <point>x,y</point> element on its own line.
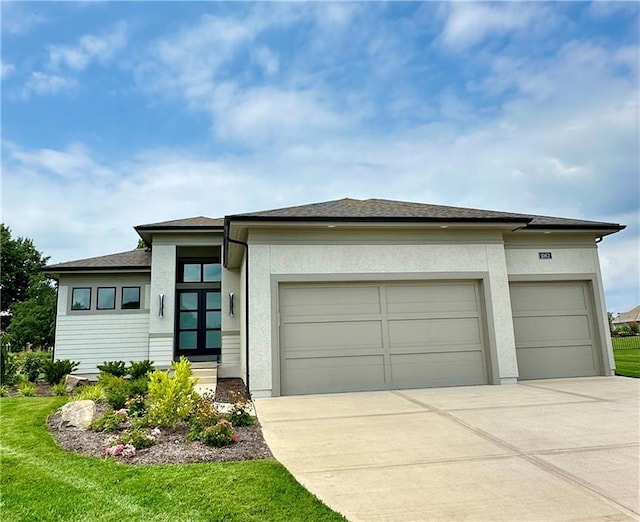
<point>121,113</point>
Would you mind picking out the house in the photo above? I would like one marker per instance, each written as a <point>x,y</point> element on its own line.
<point>627,318</point>
<point>348,295</point>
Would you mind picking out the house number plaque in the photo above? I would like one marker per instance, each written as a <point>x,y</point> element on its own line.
<point>544,255</point>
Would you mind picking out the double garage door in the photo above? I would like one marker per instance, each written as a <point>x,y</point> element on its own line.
<point>374,336</point>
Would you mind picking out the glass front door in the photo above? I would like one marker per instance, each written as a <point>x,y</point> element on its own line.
<point>199,323</point>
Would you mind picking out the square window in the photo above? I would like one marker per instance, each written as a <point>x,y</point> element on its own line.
<point>191,273</point>
<point>211,272</point>
<point>130,297</point>
<point>213,339</point>
<point>213,300</point>
<point>189,301</point>
<point>188,340</point>
<point>81,299</point>
<point>106,298</point>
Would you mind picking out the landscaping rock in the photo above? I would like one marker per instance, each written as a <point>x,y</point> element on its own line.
<point>79,414</point>
<point>71,381</point>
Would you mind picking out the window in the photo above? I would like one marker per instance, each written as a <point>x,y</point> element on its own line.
<point>199,272</point>
<point>81,299</point>
<point>130,298</point>
<point>106,298</point>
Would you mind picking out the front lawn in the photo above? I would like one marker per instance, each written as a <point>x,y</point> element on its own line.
<point>627,362</point>
<point>41,482</point>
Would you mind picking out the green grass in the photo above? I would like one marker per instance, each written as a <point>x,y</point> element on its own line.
<point>41,482</point>
<point>626,352</point>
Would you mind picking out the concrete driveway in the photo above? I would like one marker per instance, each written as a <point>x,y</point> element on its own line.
<point>562,449</point>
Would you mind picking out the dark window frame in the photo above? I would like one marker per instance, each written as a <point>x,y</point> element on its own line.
<point>73,291</point>
<point>122,303</point>
<point>201,261</point>
<point>98,307</point>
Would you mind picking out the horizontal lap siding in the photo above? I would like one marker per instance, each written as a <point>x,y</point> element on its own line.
<point>93,339</point>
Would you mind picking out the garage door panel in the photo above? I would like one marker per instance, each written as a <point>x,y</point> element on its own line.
<point>556,361</point>
<point>543,329</point>
<point>438,369</point>
<point>333,374</point>
<point>316,338</point>
<point>548,298</point>
<point>553,326</point>
<point>434,334</point>
<point>438,298</point>
<point>318,301</point>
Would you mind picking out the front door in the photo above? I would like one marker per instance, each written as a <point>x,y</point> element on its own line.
<point>199,323</point>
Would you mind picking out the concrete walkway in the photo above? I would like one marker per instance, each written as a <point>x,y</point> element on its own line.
<point>562,449</point>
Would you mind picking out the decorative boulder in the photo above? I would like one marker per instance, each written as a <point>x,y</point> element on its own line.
<point>71,381</point>
<point>79,414</point>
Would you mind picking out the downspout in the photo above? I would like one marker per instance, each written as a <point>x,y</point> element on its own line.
<point>227,240</point>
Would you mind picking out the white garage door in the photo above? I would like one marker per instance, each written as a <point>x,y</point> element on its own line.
<point>553,325</point>
<point>373,336</point>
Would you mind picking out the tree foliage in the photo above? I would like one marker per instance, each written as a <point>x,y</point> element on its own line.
<point>20,261</point>
<point>34,319</point>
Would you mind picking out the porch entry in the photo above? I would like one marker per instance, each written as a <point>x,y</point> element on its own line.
<point>198,310</point>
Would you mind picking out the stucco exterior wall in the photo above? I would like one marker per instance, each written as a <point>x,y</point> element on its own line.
<point>377,262</point>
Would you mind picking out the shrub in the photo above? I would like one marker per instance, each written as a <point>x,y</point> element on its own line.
<point>204,415</point>
<point>138,438</point>
<point>219,435</point>
<point>27,389</point>
<point>4,390</point>
<point>93,392</point>
<point>140,369</point>
<point>239,415</point>
<point>55,371</point>
<point>139,386</point>
<point>634,327</point>
<point>121,450</point>
<point>32,364</point>
<point>117,394</point>
<point>115,368</point>
<point>171,398</point>
<point>136,406</point>
<point>110,421</point>
<point>59,389</point>
<point>8,366</point>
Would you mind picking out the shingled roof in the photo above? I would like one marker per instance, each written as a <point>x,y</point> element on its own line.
<point>400,211</point>
<point>131,260</point>
<point>192,222</point>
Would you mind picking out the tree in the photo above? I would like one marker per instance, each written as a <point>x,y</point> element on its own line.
<point>34,319</point>
<point>20,261</point>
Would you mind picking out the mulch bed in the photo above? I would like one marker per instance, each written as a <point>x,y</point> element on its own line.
<point>172,445</point>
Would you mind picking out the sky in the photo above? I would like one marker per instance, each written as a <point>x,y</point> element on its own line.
<point>116,114</point>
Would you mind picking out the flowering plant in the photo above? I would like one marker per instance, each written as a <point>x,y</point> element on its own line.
<point>123,450</point>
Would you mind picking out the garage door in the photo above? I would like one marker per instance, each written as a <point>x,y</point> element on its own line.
<point>553,325</point>
<point>352,337</point>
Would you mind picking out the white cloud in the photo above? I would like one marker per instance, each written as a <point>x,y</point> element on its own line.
<point>267,60</point>
<point>89,48</point>
<point>47,84</point>
<point>7,69</point>
<point>469,23</point>
<point>18,18</point>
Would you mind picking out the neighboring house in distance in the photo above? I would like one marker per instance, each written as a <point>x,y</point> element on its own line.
<point>348,295</point>
<point>632,316</point>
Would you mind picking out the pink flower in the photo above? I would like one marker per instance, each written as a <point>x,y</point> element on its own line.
<point>234,437</point>
<point>155,432</point>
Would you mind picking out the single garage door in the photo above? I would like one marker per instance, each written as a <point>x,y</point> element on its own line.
<point>364,336</point>
<point>553,325</point>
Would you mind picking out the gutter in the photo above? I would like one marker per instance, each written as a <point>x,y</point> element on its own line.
<point>226,240</point>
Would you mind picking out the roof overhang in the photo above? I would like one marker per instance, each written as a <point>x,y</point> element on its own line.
<point>55,273</point>
<point>146,232</point>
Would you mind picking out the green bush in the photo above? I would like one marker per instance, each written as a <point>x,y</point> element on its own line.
<point>239,415</point>
<point>204,415</point>
<point>8,366</point>
<point>27,389</point>
<point>32,365</point>
<point>94,392</point>
<point>59,389</point>
<point>136,406</point>
<point>219,435</point>
<point>140,369</point>
<point>116,392</point>
<point>139,386</point>
<point>171,398</point>
<point>116,368</point>
<point>110,421</point>
<point>138,438</point>
<point>55,371</point>
<point>4,390</point>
